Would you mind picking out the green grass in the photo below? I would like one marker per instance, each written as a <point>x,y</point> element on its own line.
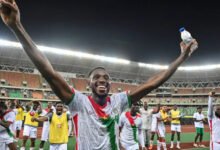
<point>185,138</point>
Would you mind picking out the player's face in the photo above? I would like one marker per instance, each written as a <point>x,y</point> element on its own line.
<point>145,106</point>
<point>59,108</point>
<point>99,82</point>
<point>199,110</point>
<point>35,106</point>
<point>49,105</point>
<point>217,110</point>
<point>164,108</point>
<point>134,110</point>
<point>175,107</point>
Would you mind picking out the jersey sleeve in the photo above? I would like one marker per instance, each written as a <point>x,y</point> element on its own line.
<point>76,103</point>
<point>49,116</point>
<point>121,101</point>
<point>121,120</point>
<point>194,116</point>
<point>10,117</point>
<point>210,108</point>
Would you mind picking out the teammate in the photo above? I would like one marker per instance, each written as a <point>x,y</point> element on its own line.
<point>199,120</point>
<point>19,118</point>
<point>30,128</point>
<point>146,116</point>
<point>175,115</point>
<point>46,124</point>
<point>7,118</point>
<point>131,134</point>
<point>154,124</point>
<point>58,136</point>
<point>161,130</point>
<point>93,115</point>
<point>214,123</point>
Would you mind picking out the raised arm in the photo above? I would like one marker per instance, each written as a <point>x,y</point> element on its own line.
<point>40,119</point>
<point>210,105</point>
<point>10,15</point>
<point>158,79</point>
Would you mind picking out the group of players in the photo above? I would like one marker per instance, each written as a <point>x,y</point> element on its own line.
<point>137,127</point>
<point>95,117</point>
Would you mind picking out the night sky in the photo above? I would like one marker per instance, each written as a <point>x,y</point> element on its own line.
<point>138,30</point>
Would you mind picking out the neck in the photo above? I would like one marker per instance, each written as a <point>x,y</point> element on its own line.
<point>217,115</point>
<point>133,113</point>
<point>101,100</point>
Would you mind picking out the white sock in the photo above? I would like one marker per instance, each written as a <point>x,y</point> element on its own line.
<point>31,148</point>
<point>158,145</point>
<point>178,143</point>
<point>171,142</point>
<point>151,142</point>
<point>22,148</point>
<point>164,145</point>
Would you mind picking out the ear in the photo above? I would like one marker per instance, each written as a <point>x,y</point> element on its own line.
<point>88,81</point>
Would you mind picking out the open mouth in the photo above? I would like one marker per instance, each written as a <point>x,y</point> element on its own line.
<point>101,88</point>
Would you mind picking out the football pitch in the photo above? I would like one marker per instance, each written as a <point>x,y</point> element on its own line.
<point>185,138</point>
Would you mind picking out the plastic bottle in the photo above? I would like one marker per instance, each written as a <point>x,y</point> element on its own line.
<point>187,38</point>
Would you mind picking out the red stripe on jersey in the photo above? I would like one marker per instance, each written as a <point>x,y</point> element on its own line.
<point>75,120</point>
<point>130,119</point>
<point>98,108</point>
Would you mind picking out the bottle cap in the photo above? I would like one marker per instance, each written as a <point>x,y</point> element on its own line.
<point>182,29</point>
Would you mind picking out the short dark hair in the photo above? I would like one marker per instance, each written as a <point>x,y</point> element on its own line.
<point>94,69</point>
<point>199,107</point>
<point>3,105</point>
<point>58,103</point>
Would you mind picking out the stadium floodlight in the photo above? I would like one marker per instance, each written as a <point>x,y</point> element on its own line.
<point>68,52</point>
<point>185,68</point>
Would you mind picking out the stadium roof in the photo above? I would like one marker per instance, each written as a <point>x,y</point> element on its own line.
<point>65,60</point>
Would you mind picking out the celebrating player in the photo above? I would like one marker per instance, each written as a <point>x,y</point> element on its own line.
<point>58,136</point>
<point>214,123</point>
<point>175,126</point>
<point>30,127</point>
<point>95,116</point>
<point>7,118</point>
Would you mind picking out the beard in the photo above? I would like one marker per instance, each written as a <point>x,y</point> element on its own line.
<point>217,115</point>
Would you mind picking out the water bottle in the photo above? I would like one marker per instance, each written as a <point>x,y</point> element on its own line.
<point>187,38</point>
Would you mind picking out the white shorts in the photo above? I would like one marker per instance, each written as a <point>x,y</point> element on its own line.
<point>129,146</point>
<point>176,128</point>
<point>154,128</point>
<point>18,125</point>
<point>3,146</point>
<point>30,131</point>
<point>58,146</point>
<point>161,131</point>
<point>45,133</point>
<point>6,138</point>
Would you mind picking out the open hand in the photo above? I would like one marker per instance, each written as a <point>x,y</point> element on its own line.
<point>9,12</point>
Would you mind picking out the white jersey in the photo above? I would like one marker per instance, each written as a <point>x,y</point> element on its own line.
<point>155,117</point>
<point>214,123</point>
<point>7,134</point>
<point>198,116</point>
<point>46,124</point>
<point>130,132</point>
<point>146,116</point>
<point>96,127</point>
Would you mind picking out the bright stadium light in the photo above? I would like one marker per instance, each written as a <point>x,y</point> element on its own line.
<point>68,52</point>
<point>186,68</point>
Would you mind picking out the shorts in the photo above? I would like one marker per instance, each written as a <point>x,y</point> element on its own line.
<point>45,133</point>
<point>18,125</point>
<point>129,146</point>
<point>161,131</point>
<point>154,128</point>
<point>200,131</point>
<point>3,146</point>
<point>176,127</point>
<point>30,131</point>
<point>58,146</point>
